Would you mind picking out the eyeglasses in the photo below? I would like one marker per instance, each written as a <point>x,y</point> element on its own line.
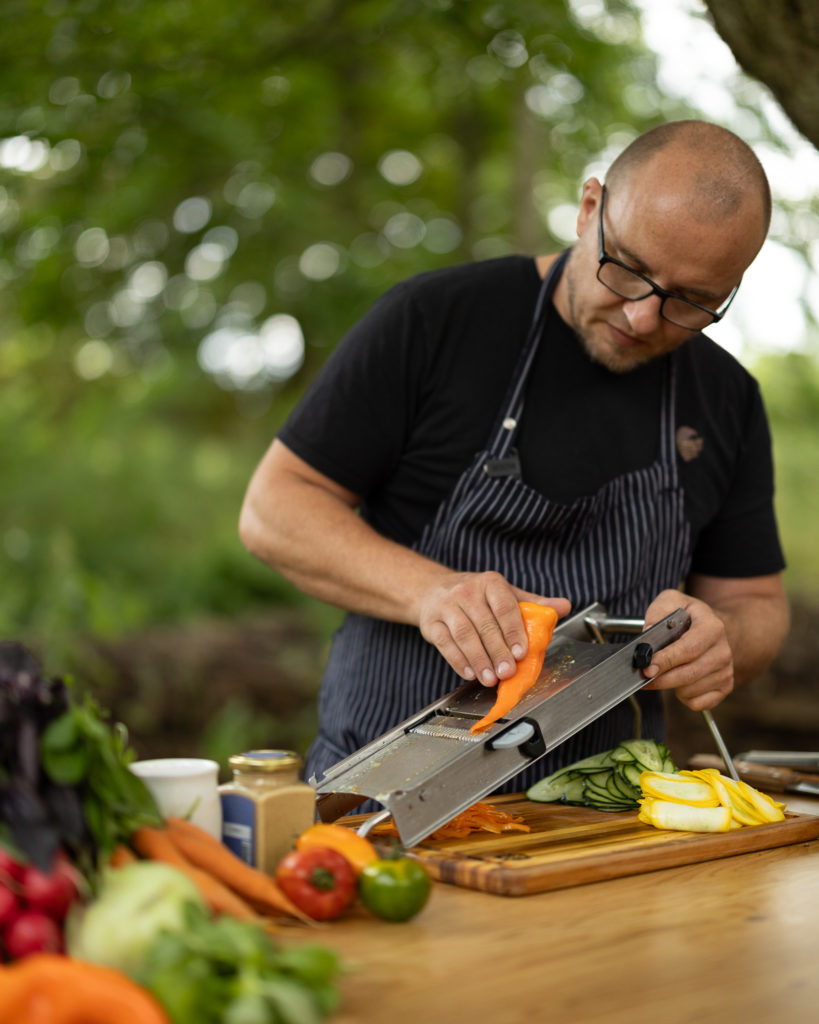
<point>630,284</point>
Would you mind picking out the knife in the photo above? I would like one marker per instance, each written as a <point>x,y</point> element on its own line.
<point>763,776</point>
<point>807,760</point>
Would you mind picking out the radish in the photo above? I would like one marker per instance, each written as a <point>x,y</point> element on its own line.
<point>32,932</point>
<point>9,867</point>
<point>51,893</point>
<point>9,907</point>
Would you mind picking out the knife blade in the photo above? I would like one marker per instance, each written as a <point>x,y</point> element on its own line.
<point>764,777</point>
<point>806,760</point>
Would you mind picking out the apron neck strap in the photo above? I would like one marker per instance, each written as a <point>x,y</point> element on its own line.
<point>505,427</point>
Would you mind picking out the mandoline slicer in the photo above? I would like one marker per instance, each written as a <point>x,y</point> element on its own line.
<point>430,767</point>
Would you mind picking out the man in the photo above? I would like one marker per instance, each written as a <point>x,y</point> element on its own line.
<point>554,430</point>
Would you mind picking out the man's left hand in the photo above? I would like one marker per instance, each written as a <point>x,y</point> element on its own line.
<point>699,665</point>
<point>737,627</point>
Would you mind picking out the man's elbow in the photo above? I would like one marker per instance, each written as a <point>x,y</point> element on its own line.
<point>255,535</point>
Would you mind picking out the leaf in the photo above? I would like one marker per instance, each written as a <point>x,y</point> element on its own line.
<point>62,733</point>
<point>294,1004</point>
<point>66,767</point>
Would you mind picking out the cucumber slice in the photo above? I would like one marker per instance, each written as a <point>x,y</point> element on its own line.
<point>560,784</point>
<point>624,788</point>
<point>548,790</point>
<point>645,753</point>
<point>573,791</point>
<point>631,773</point>
<point>593,763</point>
<point>558,787</point>
<point>609,781</point>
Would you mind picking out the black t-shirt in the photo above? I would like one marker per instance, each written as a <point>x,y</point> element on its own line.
<point>414,389</point>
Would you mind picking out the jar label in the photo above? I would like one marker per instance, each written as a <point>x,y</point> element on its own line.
<point>239,826</point>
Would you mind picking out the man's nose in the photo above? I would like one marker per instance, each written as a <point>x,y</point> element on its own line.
<point>643,315</point>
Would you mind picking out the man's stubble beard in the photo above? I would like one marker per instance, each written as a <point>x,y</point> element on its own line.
<point>600,353</point>
<point>585,337</point>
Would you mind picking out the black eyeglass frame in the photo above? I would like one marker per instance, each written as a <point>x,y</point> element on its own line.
<point>654,289</point>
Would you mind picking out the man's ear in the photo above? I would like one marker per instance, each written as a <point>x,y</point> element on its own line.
<point>589,203</point>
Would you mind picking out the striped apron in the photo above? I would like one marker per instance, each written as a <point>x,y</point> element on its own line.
<point>620,546</point>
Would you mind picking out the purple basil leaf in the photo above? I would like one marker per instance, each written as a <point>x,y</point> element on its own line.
<point>26,816</point>
<point>65,811</point>
<point>28,752</point>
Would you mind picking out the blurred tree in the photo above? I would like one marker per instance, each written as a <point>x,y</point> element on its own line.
<point>777,44</point>
<point>177,170</point>
<point>197,199</point>
<point>189,190</point>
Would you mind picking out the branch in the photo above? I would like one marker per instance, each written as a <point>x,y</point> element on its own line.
<point>777,43</point>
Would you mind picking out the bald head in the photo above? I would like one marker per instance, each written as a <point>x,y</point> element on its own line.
<point>716,174</point>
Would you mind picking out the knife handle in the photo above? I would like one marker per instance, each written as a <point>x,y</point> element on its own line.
<point>760,775</point>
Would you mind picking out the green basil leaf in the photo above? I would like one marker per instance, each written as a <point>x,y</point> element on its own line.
<point>65,767</point>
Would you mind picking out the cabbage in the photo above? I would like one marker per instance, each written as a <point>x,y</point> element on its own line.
<point>135,903</point>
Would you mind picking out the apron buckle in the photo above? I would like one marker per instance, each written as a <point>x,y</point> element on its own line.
<point>507,466</point>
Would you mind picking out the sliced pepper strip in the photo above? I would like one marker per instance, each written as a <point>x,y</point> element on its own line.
<point>480,817</point>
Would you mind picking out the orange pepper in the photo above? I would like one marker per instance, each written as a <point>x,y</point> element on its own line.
<point>358,850</point>
<point>480,817</point>
<point>539,621</point>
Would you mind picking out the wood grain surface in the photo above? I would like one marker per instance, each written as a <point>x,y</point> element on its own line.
<point>725,941</point>
<point>568,846</point>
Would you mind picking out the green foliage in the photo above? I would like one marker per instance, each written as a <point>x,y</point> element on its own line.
<point>137,138</point>
<point>170,171</point>
<point>790,384</point>
<point>239,726</point>
<point>225,971</point>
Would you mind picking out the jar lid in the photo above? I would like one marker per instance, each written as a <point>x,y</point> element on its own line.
<point>266,760</point>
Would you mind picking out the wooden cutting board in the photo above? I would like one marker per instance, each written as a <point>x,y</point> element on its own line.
<point>569,846</point>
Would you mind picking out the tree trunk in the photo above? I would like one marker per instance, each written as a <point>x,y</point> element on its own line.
<point>777,42</point>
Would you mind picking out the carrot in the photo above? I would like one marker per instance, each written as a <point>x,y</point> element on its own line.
<point>219,897</point>
<point>207,853</point>
<point>156,844</point>
<point>539,621</point>
<point>122,855</point>
<point>58,989</point>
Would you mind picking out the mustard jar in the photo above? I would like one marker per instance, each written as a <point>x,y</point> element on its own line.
<point>265,807</point>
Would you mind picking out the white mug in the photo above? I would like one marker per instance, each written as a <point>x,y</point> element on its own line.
<point>184,787</point>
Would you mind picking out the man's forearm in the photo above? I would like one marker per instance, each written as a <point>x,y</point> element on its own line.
<point>756,620</point>
<point>306,527</point>
<point>330,553</point>
<point>756,628</point>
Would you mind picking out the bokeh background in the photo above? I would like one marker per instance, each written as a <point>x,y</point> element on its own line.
<point>197,199</point>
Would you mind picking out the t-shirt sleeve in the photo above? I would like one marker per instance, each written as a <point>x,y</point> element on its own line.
<point>353,419</point>
<point>743,539</point>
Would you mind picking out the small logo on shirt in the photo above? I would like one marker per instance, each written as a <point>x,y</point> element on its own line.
<point>689,443</point>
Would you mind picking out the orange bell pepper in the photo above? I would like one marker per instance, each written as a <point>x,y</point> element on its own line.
<point>539,621</point>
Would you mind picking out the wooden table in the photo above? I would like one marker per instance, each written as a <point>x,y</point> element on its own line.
<point>732,940</point>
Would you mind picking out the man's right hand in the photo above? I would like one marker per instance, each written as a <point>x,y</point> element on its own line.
<point>305,525</point>
<point>475,622</point>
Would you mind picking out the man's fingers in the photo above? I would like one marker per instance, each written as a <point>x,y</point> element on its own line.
<point>438,634</point>
<point>510,637</point>
<point>475,622</point>
<point>480,643</point>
